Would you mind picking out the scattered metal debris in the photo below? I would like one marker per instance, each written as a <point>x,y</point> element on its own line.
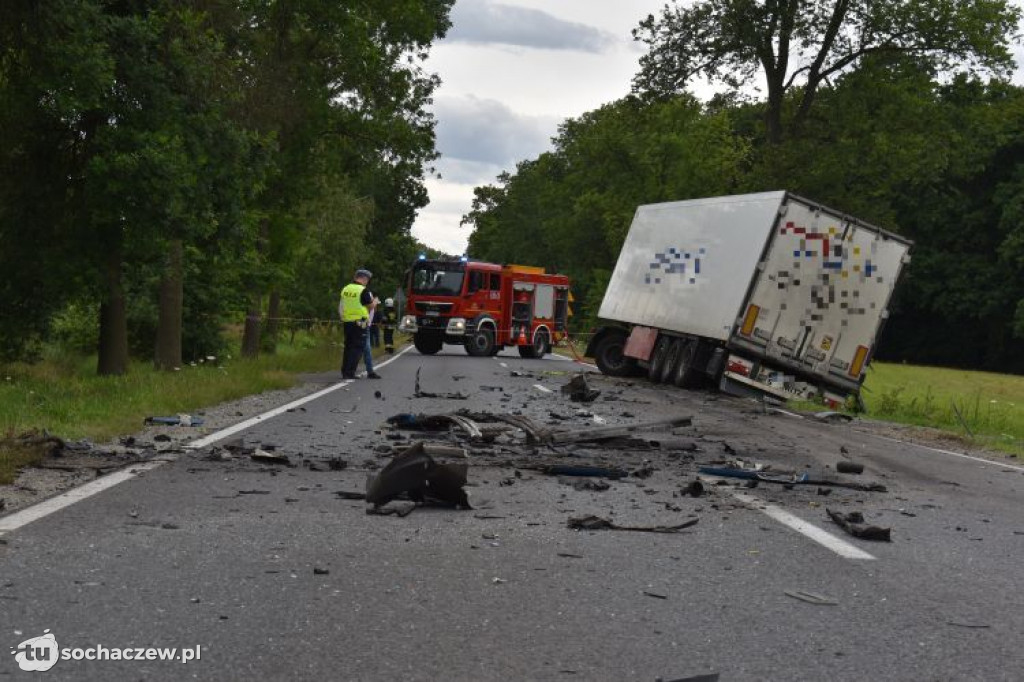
<point>580,470</point>
<point>811,597</point>
<point>175,420</point>
<point>832,416</point>
<point>848,467</point>
<point>595,485</point>
<point>853,523</point>
<point>414,474</point>
<point>443,396</point>
<point>579,390</point>
<point>598,523</point>
<point>265,457</point>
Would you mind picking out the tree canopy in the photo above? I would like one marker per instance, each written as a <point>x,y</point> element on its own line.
<point>169,164</point>
<point>802,44</point>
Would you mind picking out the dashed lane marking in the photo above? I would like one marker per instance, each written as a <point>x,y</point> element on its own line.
<point>827,540</point>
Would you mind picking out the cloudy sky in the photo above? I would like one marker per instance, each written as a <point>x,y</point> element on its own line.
<point>511,71</point>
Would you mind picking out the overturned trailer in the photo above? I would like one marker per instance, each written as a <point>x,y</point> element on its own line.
<point>763,293</point>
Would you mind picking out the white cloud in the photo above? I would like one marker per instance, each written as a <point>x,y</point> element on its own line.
<point>462,172</point>
<point>438,226</point>
<point>483,22</point>
<point>487,131</point>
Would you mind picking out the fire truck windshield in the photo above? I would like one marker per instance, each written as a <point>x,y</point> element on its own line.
<point>440,279</point>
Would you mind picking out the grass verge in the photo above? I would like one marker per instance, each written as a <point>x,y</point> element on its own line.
<point>984,407</point>
<point>63,396</point>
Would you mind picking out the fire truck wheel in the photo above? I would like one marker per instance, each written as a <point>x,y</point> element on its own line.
<point>658,358</point>
<point>609,356</point>
<point>480,344</point>
<point>428,344</point>
<point>541,346</point>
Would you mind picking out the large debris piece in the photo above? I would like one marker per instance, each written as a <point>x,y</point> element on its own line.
<point>414,474</point>
<point>598,523</point>
<point>853,523</point>
<point>579,390</point>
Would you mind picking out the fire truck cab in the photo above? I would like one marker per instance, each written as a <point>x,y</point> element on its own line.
<point>484,307</point>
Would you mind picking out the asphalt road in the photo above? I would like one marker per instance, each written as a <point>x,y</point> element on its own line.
<point>275,577</point>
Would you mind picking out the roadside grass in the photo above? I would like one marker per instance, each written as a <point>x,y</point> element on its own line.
<point>984,407</point>
<point>62,395</point>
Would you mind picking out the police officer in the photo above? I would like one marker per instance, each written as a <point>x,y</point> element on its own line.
<point>355,317</point>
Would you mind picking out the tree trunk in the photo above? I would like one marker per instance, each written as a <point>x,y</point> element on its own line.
<point>167,351</point>
<point>251,333</point>
<point>113,345</point>
<point>273,324</point>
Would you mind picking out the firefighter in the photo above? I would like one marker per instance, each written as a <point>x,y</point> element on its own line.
<point>387,323</point>
<point>355,317</point>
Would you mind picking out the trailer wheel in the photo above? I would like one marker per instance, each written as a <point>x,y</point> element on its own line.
<point>480,344</point>
<point>685,374</point>
<point>541,346</point>
<point>426,343</point>
<point>610,358</point>
<point>675,351</point>
<point>658,358</point>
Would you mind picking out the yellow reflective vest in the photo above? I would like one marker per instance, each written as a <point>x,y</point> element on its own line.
<point>352,309</point>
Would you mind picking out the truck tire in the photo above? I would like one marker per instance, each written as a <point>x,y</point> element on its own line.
<point>428,343</point>
<point>541,346</point>
<point>480,344</point>
<point>610,358</point>
<point>658,357</point>
<point>685,374</point>
<point>675,351</point>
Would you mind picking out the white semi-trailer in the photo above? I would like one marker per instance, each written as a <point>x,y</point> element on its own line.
<point>759,293</point>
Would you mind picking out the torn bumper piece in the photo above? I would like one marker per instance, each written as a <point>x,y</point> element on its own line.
<point>415,475</point>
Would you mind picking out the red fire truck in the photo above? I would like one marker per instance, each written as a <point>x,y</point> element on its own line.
<point>484,307</point>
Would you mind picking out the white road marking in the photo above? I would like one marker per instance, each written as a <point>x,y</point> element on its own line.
<point>47,507</point>
<point>55,504</point>
<point>837,545</point>
<point>946,452</point>
<point>545,389</point>
<point>241,426</point>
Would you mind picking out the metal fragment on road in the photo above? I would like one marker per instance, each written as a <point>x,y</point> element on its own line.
<point>854,524</point>
<point>811,597</point>
<point>598,523</point>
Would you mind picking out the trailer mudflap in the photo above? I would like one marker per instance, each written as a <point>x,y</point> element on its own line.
<point>640,343</point>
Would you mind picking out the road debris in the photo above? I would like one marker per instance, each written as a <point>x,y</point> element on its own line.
<point>265,457</point>
<point>848,467</point>
<point>350,495</point>
<point>655,595</point>
<point>582,484</point>
<point>320,571</point>
<point>399,509</point>
<point>580,470</point>
<point>418,393</point>
<point>174,420</point>
<point>694,488</point>
<point>598,523</point>
<point>854,524</point>
<point>831,416</point>
<point>811,597</point>
<point>579,390</point>
<point>415,475</point>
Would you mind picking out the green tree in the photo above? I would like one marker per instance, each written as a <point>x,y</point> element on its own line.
<point>799,45</point>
